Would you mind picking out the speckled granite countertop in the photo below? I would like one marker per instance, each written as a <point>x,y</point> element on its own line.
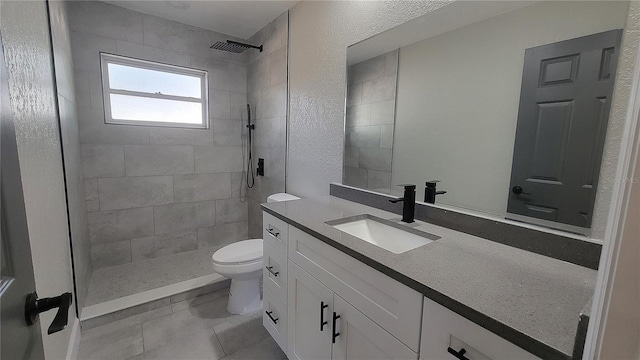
<point>530,300</point>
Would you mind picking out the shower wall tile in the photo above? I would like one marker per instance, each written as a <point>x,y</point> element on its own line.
<point>255,219</point>
<point>231,210</point>
<point>218,159</point>
<point>238,102</point>
<point>175,36</point>
<point>383,113</point>
<point>354,176</point>
<point>162,245</point>
<point>111,254</point>
<point>278,67</point>
<point>380,89</point>
<point>219,104</point>
<point>185,216</point>
<point>363,136</point>
<point>227,132</point>
<point>200,187</point>
<point>158,160</point>
<point>144,52</point>
<point>172,136</point>
<point>221,235</point>
<point>102,161</point>
<point>375,159</point>
<point>351,155</point>
<point>86,49</point>
<point>359,115</point>
<point>378,179</point>
<point>267,92</point>
<point>134,192</point>
<point>142,170</point>
<point>106,20</point>
<point>110,226</point>
<point>386,136</point>
<point>93,129</point>
<point>238,184</point>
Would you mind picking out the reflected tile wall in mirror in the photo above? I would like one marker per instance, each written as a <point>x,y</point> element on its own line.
<point>370,117</point>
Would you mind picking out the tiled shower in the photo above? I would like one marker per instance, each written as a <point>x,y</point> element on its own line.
<point>160,200</point>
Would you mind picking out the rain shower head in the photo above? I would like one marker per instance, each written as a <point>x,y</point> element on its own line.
<point>234,46</point>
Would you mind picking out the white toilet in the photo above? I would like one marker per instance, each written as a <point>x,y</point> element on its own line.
<point>242,263</point>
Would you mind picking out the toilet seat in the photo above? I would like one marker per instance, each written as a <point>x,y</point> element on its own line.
<point>239,253</point>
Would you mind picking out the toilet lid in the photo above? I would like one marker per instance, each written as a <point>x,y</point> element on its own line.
<point>245,251</point>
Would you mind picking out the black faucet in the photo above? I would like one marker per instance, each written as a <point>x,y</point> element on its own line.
<point>430,191</point>
<point>409,206</point>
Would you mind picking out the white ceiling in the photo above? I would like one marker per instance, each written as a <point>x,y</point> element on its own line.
<point>239,18</point>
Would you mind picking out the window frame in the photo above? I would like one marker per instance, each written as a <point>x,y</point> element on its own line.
<point>106,59</point>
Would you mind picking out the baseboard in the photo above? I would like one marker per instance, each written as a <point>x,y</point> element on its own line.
<point>74,340</point>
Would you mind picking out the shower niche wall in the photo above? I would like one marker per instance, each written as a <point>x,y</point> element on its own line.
<point>161,200</point>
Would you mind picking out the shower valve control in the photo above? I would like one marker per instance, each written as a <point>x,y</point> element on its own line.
<point>260,171</point>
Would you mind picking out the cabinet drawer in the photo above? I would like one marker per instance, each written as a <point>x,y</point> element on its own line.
<point>392,305</point>
<point>274,274</point>
<point>274,318</point>
<point>275,232</point>
<point>442,328</point>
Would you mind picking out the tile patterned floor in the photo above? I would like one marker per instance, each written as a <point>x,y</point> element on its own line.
<point>128,279</point>
<point>197,328</point>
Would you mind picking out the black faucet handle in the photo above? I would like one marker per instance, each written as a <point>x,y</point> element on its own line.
<point>407,186</point>
<point>432,183</point>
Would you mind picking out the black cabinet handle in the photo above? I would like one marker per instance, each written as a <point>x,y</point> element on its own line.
<point>322,322</point>
<point>458,354</point>
<point>335,334</point>
<point>270,269</point>
<point>35,306</point>
<point>273,232</point>
<point>275,321</point>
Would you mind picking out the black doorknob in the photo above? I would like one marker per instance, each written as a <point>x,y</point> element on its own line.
<point>518,190</point>
<point>35,306</point>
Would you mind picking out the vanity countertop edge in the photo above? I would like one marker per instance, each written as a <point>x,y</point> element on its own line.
<point>528,299</point>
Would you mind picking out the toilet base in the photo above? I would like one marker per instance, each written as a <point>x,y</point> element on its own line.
<point>244,296</point>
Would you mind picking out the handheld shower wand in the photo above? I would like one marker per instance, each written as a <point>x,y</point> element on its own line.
<point>250,174</point>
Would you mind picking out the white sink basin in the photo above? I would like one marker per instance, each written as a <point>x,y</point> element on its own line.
<point>383,235</point>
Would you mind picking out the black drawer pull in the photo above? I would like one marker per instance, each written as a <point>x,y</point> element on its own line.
<point>458,354</point>
<point>273,232</point>
<point>335,334</point>
<point>270,269</point>
<point>322,322</point>
<point>275,321</point>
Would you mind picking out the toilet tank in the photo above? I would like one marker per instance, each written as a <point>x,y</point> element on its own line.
<point>281,197</point>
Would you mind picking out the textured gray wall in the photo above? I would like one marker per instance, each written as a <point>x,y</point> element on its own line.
<point>76,204</point>
<point>320,32</point>
<point>27,52</point>
<point>155,191</point>
<point>267,89</point>
<point>369,122</point>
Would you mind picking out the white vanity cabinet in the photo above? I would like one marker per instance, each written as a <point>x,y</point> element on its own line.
<point>442,329</point>
<point>320,303</point>
<point>322,325</point>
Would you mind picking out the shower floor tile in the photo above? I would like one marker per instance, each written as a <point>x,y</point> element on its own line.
<point>119,281</point>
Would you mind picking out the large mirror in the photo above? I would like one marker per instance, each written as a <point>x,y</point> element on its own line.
<point>505,104</point>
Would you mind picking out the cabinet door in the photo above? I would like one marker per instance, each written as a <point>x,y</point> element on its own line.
<point>359,338</point>
<point>309,310</point>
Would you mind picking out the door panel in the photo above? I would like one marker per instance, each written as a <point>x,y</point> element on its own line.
<point>562,121</point>
<point>307,339</point>
<point>361,339</point>
<point>18,340</point>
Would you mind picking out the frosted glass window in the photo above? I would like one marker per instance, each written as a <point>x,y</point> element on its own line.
<point>141,92</point>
